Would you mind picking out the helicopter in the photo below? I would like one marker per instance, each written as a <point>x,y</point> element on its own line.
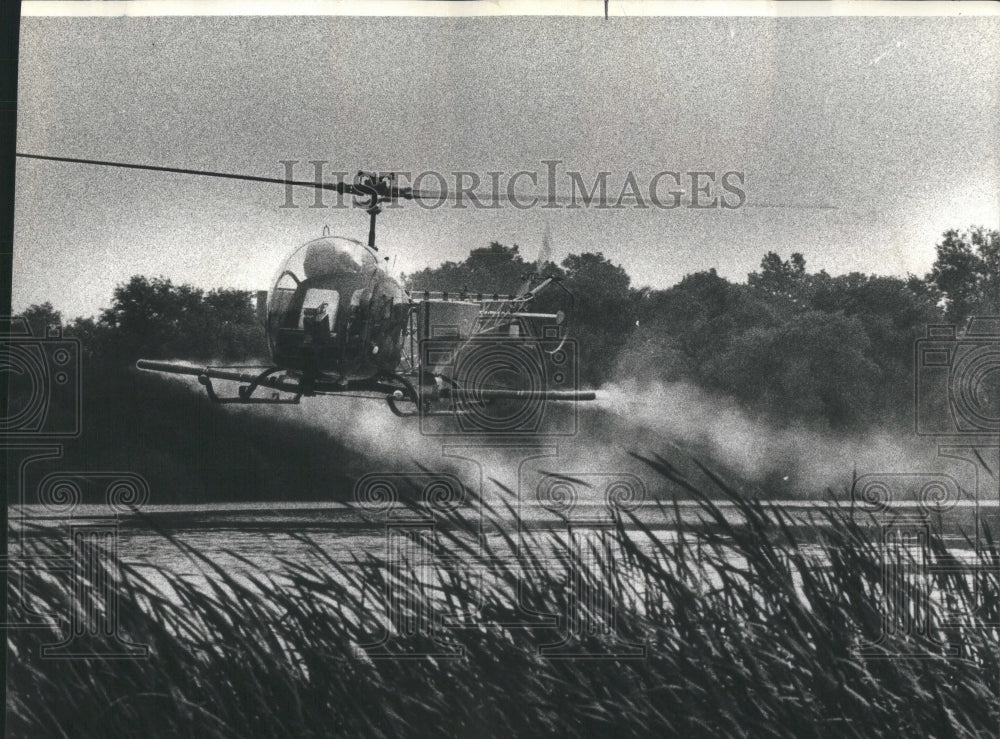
<point>338,323</point>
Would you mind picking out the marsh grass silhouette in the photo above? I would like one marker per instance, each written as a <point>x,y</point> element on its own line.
<point>748,628</point>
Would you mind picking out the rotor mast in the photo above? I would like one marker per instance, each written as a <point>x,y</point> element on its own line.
<point>377,188</point>
<point>372,212</point>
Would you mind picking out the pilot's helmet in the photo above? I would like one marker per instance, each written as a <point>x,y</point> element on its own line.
<point>324,258</point>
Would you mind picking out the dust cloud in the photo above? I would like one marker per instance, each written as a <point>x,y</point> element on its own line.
<point>678,420</point>
<point>718,430</point>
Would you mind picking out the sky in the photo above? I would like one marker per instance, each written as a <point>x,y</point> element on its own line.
<point>893,122</point>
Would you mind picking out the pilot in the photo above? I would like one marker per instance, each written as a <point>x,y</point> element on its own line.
<point>326,259</point>
<point>324,266</point>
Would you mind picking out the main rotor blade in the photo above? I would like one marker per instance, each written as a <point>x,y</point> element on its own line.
<point>577,200</point>
<point>528,199</point>
<point>337,186</point>
<point>442,196</point>
<point>625,199</point>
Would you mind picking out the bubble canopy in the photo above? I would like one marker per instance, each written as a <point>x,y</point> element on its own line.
<point>325,257</point>
<point>333,273</point>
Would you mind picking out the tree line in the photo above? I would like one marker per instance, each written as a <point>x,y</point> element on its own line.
<point>789,344</point>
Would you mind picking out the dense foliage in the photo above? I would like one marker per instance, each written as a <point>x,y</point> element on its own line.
<point>835,351</point>
<point>794,346</point>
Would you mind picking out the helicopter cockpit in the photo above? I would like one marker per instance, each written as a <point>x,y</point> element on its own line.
<point>313,309</point>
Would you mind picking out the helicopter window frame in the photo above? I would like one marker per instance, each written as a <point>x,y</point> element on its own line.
<point>282,282</point>
<point>288,273</point>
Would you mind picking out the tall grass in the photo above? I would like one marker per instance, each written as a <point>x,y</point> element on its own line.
<point>748,629</point>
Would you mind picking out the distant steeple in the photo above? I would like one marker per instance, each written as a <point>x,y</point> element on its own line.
<point>545,252</point>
